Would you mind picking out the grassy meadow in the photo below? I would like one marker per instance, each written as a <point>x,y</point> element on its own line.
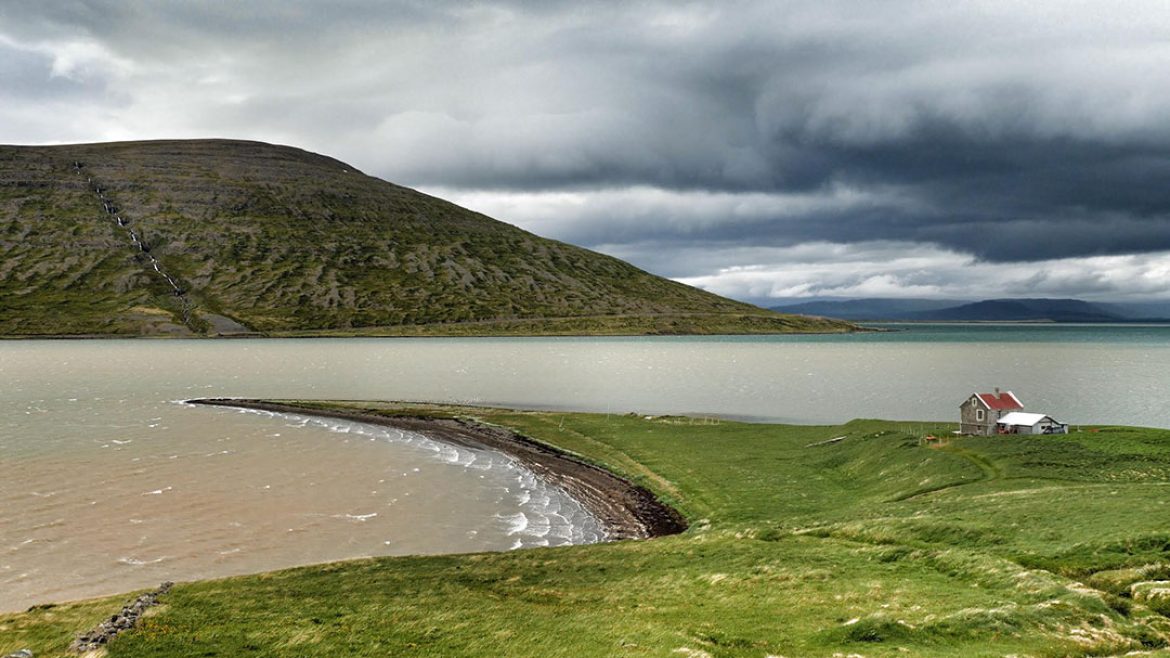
<point>852,540</point>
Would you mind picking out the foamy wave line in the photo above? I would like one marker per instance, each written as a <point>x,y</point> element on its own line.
<point>545,515</point>
<point>517,522</point>
<point>133,562</point>
<point>548,517</point>
<point>442,452</point>
<point>361,518</point>
<point>27,542</point>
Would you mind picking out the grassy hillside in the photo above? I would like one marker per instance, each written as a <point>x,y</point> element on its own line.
<point>277,240</point>
<point>854,540</point>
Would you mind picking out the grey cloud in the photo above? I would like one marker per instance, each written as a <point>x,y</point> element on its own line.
<point>1039,124</point>
<point>1049,146</point>
<point>28,75</point>
<point>899,269</point>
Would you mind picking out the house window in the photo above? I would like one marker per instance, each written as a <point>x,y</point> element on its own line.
<point>979,415</point>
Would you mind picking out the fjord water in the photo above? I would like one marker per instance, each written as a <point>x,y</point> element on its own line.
<point>108,482</point>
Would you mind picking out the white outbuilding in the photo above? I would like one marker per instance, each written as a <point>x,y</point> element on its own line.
<point>1019,422</point>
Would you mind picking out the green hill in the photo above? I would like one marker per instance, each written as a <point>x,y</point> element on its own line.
<point>854,540</point>
<point>218,236</point>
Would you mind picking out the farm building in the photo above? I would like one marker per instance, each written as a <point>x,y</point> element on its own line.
<point>1019,422</point>
<point>980,413</point>
<point>989,414</point>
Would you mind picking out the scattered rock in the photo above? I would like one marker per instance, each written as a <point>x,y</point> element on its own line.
<point>123,621</point>
<point>23,653</point>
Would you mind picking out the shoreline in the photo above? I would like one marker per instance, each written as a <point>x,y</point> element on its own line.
<point>314,336</point>
<point>624,509</point>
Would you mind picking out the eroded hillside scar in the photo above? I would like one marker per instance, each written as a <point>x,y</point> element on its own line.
<point>138,243</point>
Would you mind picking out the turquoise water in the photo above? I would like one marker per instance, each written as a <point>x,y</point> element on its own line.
<point>1023,333</point>
<point>946,332</point>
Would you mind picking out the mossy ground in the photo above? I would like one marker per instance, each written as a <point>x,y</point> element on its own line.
<point>872,545</point>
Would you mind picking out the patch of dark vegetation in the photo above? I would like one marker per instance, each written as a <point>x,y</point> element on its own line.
<point>967,535</point>
<point>874,630</point>
<point>1150,639</point>
<point>773,534</point>
<point>1120,604</point>
<point>894,554</point>
<point>1086,559</point>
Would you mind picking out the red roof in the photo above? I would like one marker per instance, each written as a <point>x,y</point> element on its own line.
<point>1001,402</point>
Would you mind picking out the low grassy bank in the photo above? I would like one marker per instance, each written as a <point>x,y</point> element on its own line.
<point>657,324</point>
<point>805,541</point>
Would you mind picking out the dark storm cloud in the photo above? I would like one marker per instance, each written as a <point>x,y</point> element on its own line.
<point>1012,132</point>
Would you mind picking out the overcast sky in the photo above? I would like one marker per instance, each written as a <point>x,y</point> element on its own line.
<point>757,149</point>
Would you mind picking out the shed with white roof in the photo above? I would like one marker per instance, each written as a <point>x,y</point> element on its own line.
<point>1020,422</point>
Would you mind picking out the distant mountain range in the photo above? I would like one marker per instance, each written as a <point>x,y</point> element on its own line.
<point>989,310</point>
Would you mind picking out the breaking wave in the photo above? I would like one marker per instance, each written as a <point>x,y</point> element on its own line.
<point>544,516</point>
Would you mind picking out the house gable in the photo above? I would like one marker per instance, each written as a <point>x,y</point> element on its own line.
<point>1006,401</point>
<point>979,413</point>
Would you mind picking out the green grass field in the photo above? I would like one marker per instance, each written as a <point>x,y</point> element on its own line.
<point>872,545</point>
